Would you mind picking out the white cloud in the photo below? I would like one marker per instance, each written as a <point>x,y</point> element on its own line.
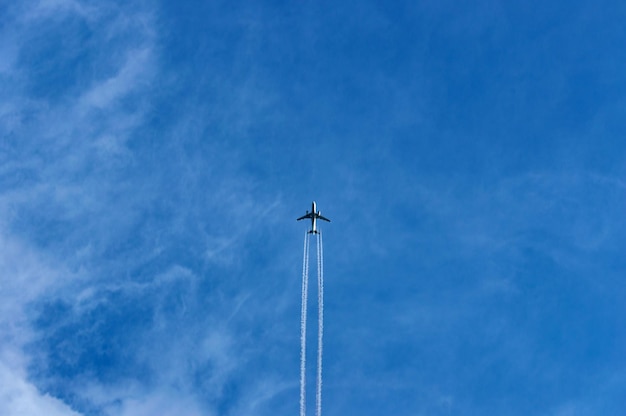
<point>72,173</point>
<point>25,277</point>
<point>166,404</point>
<point>581,209</point>
<point>260,393</point>
<point>52,139</point>
<point>18,397</point>
<point>132,74</point>
<point>42,9</point>
<point>131,399</point>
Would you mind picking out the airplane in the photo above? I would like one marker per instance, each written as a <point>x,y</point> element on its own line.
<point>314,216</point>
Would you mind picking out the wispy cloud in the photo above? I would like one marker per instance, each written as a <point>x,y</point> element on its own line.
<point>19,397</point>
<point>112,242</point>
<point>48,143</point>
<point>133,74</point>
<point>25,277</point>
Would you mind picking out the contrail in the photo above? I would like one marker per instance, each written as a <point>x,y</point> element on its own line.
<point>305,290</point>
<point>320,322</point>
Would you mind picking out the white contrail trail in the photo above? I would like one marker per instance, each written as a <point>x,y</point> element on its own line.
<point>303,318</point>
<point>320,322</point>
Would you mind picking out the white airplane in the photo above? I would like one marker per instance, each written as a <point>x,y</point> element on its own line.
<point>314,216</point>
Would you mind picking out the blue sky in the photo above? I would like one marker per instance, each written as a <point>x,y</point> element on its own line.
<point>154,157</point>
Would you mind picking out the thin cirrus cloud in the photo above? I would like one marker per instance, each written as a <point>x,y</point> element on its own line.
<point>49,140</point>
<point>23,283</point>
<point>103,314</point>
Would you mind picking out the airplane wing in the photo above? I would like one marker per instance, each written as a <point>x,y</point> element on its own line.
<point>323,218</point>
<point>304,216</point>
